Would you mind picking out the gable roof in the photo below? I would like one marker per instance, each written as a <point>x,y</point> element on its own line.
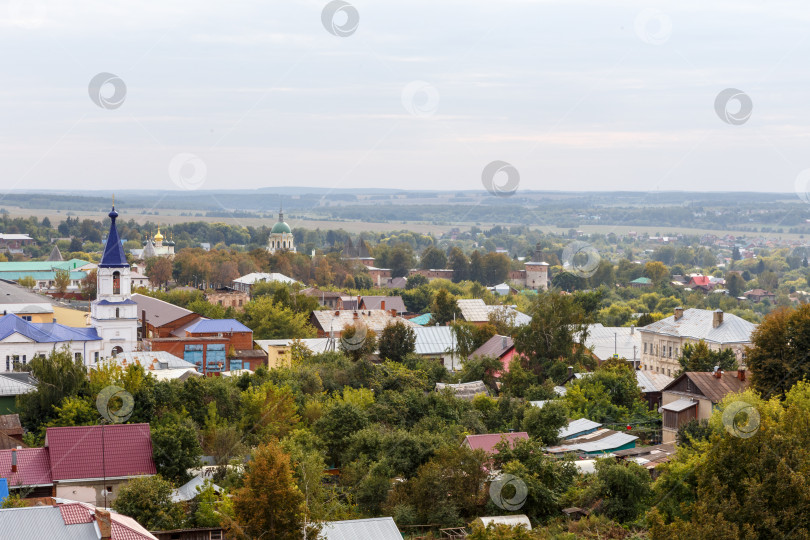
<point>374,319</point>
<point>33,467</point>
<point>213,326</point>
<point>375,302</point>
<point>473,309</point>
<point>650,381</point>
<point>76,452</point>
<point>605,341</point>
<point>188,491</point>
<point>496,346</point>
<point>262,277</point>
<point>578,426</point>
<point>518,318</point>
<point>710,386</point>
<point>67,520</point>
<point>601,441</point>
<point>151,360</point>
<point>382,528</point>
<point>487,441</point>
<point>158,312</point>
<point>698,324</point>
<point>433,339</point>
<point>55,255</point>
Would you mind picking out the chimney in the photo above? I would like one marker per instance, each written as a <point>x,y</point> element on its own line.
<point>356,315</point>
<point>632,329</point>
<point>382,305</point>
<point>678,313</point>
<point>741,373</point>
<point>505,342</point>
<point>717,318</point>
<point>337,314</point>
<point>570,371</point>
<point>717,372</point>
<point>14,460</point>
<point>104,524</point>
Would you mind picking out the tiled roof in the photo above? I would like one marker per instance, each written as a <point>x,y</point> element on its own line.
<point>488,441</point>
<point>44,332</point>
<point>158,312</point>
<point>74,513</point>
<point>361,529</point>
<point>473,310</point>
<point>433,339</point>
<point>11,387</point>
<point>391,302</point>
<point>374,319</point>
<point>496,346</point>
<point>33,467</point>
<point>212,326</point>
<point>697,324</point>
<point>76,452</point>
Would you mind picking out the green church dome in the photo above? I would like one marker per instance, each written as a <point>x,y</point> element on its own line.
<point>280,227</point>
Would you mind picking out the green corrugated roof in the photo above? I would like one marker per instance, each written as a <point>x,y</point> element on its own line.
<point>642,280</point>
<point>41,266</point>
<point>45,276</point>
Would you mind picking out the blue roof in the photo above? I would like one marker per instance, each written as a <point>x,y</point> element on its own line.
<point>114,256</point>
<point>210,326</point>
<point>44,332</point>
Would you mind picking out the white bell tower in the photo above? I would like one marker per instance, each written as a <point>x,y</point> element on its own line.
<point>113,313</point>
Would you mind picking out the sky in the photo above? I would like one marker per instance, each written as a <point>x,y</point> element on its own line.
<point>574,95</point>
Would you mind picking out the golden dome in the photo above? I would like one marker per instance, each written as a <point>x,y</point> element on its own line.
<point>158,236</point>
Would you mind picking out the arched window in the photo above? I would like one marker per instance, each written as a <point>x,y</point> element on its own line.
<point>116,282</point>
<point>117,349</point>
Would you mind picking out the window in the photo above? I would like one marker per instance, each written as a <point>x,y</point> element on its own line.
<point>645,348</point>
<point>116,282</point>
<point>669,374</point>
<point>24,362</point>
<point>78,356</point>
<point>117,313</point>
<point>95,356</point>
<point>240,303</point>
<point>26,318</point>
<point>219,302</point>
<point>670,351</point>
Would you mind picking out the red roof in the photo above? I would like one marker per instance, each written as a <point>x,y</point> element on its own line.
<point>700,280</point>
<point>488,441</point>
<point>74,513</point>
<point>76,452</point>
<point>33,468</point>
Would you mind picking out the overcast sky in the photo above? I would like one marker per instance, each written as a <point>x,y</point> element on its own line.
<point>576,95</point>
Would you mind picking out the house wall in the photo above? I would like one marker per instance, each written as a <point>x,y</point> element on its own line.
<point>703,411</point>
<point>237,340</point>
<point>660,352</point>
<point>25,350</point>
<point>236,300</point>
<point>177,347</point>
<point>89,491</point>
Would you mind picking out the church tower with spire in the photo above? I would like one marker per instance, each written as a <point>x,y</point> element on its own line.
<point>281,237</point>
<point>113,313</point>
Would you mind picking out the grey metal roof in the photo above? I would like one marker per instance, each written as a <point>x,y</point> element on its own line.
<point>11,387</point>
<point>650,381</point>
<point>680,405</point>
<point>38,522</point>
<point>361,529</point>
<point>697,324</point>
<point>433,339</point>
<point>604,341</point>
<point>605,444</point>
<point>11,293</point>
<point>188,491</point>
<point>158,312</point>
<point>578,426</point>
